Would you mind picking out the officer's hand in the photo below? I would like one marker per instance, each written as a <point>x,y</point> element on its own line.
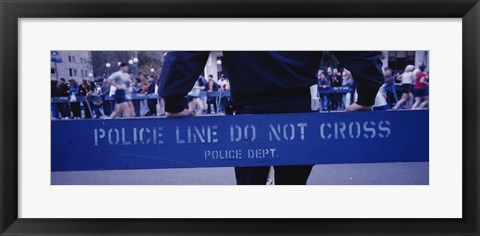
<point>356,107</point>
<point>179,114</point>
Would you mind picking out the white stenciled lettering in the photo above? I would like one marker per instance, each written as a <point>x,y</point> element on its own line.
<point>355,129</point>
<point>159,135</point>
<point>322,130</point>
<point>341,126</point>
<point>247,133</point>
<point>134,136</point>
<point>235,133</point>
<point>177,132</point>
<point>223,154</point>
<point>302,130</point>
<point>199,134</point>
<point>274,132</point>
<point>289,128</point>
<point>116,137</point>
<point>286,132</point>
<point>368,129</point>
<point>128,136</point>
<point>351,130</point>
<point>384,126</point>
<point>98,134</point>
<point>124,140</point>
<point>261,153</point>
<point>214,134</point>
<point>196,134</point>
<point>142,130</point>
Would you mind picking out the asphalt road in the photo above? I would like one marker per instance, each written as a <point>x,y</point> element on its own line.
<point>415,173</point>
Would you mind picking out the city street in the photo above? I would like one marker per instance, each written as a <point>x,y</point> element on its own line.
<point>414,173</point>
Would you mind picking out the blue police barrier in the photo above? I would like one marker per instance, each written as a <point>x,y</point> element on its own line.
<point>242,140</point>
<point>139,96</point>
<point>342,89</point>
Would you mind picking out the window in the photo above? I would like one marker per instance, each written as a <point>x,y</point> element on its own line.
<point>74,72</point>
<point>52,71</point>
<point>71,71</point>
<point>82,73</point>
<point>398,60</point>
<point>69,58</point>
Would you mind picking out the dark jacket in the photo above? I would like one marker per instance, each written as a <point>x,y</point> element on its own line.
<point>82,91</point>
<point>63,90</point>
<point>214,86</point>
<point>151,87</point>
<point>264,76</point>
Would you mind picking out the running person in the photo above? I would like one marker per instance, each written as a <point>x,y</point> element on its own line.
<point>407,84</point>
<point>194,98</point>
<point>421,89</point>
<point>121,81</point>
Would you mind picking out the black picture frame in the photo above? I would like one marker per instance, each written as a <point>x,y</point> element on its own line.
<point>12,10</point>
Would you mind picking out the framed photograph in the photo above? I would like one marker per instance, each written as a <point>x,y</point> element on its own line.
<point>227,117</point>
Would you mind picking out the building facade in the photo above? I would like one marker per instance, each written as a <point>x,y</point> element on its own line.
<point>398,60</point>
<point>75,65</point>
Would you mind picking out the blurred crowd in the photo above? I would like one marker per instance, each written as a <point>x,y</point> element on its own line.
<point>335,90</point>
<point>99,98</point>
<point>406,89</point>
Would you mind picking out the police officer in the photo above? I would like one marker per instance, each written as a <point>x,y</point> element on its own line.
<point>264,82</point>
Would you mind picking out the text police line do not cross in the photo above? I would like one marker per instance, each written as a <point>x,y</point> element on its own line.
<point>285,139</point>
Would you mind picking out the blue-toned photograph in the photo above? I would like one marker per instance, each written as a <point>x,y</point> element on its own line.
<point>239,117</point>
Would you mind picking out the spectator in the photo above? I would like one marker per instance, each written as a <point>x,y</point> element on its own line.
<point>212,86</point>
<point>84,90</point>
<point>417,69</point>
<point>315,103</point>
<point>224,84</point>
<point>74,104</point>
<point>336,73</point>
<point>347,81</point>
<point>398,78</point>
<point>144,87</point>
<point>105,92</point>
<point>336,81</point>
<point>421,89</point>
<point>151,103</point>
<point>136,89</point>
<point>381,100</point>
<point>203,84</point>
<point>323,89</point>
<point>389,87</point>
<point>63,91</point>
<point>329,71</point>
<point>407,83</point>
<point>53,106</point>
<point>97,100</point>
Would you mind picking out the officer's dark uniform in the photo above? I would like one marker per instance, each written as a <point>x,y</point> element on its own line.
<point>265,82</point>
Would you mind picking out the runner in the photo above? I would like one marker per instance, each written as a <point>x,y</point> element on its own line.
<point>121,81</point>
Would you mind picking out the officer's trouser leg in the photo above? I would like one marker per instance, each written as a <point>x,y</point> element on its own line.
<point>252,175</point>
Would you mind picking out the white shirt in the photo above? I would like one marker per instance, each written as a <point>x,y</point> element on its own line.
<point>120,80</point>
<point>407,78</point>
